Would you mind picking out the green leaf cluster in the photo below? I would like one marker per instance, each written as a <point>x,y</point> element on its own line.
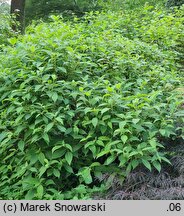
<point>78,101</point>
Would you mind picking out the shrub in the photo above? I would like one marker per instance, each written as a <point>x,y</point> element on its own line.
<point>80,100</point>
<point>5,29</point>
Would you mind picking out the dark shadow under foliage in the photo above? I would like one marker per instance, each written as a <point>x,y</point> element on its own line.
<point>142,184</point>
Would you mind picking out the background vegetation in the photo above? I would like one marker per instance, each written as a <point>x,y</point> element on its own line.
<point>91,105</point>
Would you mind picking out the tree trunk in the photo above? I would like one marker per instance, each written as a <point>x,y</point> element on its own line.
<point>18,10</point>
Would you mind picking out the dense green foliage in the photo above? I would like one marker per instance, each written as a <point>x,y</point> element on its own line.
<point>89,97</point>
<point>174,3</point>
<point>43,8</point>
<point>5,26</point>
<point>4,7</point>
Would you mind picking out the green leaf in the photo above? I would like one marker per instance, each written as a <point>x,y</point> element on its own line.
<point>19,129</point>
<point>102,153</point>
<point>58,153</point>
<point>157,165</point>
<point>68,168</point>
<point>21,144</point>
<point>50,182</point>
<point>100,143</point>
<point>110,159</point>
<point>89,144</point>
<point>56,173</point>
<point>133,153</point>
<point>104,110</point>
<point>135,163</point>
<point>41,158</point>
<point>94,122</point>
<point>68,147</point>
<point>87,109</point>
<point>19,119</point>
<point>93,149</point>
<point>61,128</point>
<point>162,132</point>
<point>69,157</point>
<point>56,148</point>
<point>54,96</point>
<point>122,160</point>
<point>109,124</point>
<point>94,164</point>
<point>122,124</point>
<point>135,121</point>
<point>13,40</point>
<point>153,143</point>
<point>139,128</point>
<point>62,69</point>
<point>37,87</point>
<point>46,138</point>
<point>42,171</point>
<point>166,160</point>
<point>3,135</point>
<point>60,120</point>
<point>86,175</point>
<point>49,127</point>
<point>146,164</point>
<point>129,168</point>
<point>40,190</point>
<point>30,194</point>
<point>124,138</point>
<point>81,189</point>
<point>19,109</point>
